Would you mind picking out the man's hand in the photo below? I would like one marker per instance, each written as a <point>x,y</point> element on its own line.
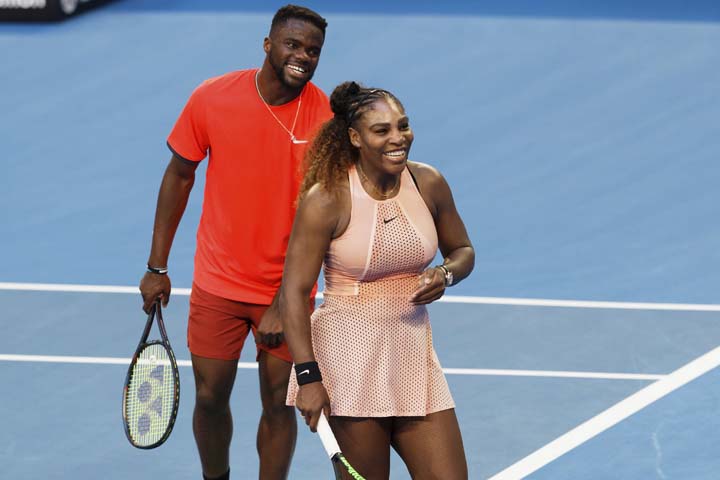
<point>270,330</point>
<point>152,287</point>
<point>312,399</point>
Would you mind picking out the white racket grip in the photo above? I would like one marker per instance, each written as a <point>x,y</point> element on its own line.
<point>327,437</point>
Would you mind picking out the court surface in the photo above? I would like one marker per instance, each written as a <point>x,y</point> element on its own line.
<point>581,146</point>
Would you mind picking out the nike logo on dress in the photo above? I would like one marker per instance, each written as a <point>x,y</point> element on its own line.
<point>388,220</point>
<point>304,372</point>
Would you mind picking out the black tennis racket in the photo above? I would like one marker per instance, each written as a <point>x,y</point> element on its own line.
<point>152,388</point>
<point>339,462</point>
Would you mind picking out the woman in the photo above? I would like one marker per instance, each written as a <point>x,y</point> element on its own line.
<point>376,220</point>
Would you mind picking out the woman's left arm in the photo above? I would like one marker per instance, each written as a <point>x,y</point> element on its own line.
<point>453,240</point>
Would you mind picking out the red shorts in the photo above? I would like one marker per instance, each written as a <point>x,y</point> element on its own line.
<point>218,327</point>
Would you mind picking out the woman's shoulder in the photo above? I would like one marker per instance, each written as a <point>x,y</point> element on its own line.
<point>424,174</point>
<point>319,197</point>
<point>332,206</point>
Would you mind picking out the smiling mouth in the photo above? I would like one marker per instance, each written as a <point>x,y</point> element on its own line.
<point>397,154</point>
<point>297,69</point>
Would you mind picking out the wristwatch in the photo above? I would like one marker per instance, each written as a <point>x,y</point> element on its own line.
<point>448,275</point>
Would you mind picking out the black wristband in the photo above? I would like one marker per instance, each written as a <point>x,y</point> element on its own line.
<point>157,270</point>
<point>307,372</point>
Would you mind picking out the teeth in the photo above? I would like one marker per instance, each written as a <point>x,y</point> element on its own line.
<point>296,68</point>
<point>396,153</point>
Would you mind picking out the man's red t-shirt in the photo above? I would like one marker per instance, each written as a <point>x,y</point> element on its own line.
<point>252,182</point>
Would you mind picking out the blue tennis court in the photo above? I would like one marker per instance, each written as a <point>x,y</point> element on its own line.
<point>581,144</point>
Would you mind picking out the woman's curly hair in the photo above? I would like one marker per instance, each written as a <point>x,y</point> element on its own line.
<point>331,153</point>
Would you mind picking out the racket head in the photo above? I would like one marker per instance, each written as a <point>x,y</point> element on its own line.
<point>151,395</point>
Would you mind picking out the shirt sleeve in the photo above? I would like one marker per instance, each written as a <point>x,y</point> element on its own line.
<point>188,138</point>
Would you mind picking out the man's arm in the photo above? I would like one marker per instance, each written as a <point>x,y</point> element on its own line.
<point>172,199</point>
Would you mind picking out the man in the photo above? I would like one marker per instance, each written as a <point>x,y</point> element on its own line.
<point>256,126</point>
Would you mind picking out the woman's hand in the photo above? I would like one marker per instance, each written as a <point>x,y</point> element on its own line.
<point>431,286</point>
<point>312,398</point>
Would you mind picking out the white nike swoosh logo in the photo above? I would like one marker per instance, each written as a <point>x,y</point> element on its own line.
<point>304,372</point>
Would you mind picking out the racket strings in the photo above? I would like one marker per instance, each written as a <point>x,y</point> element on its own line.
<point>150,396</point>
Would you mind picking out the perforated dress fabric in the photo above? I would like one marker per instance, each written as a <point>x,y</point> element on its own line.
<point>374,347</point>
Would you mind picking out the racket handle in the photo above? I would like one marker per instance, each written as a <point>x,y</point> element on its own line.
<point>327,437</point>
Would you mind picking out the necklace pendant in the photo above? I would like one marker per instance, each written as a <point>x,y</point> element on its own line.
<point>297,112</point>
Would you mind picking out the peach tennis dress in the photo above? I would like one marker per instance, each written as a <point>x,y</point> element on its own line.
<point>374,348</point>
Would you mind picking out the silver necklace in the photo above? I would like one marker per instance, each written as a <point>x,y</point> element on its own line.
<point>377,191</point>
<point>297,112</point>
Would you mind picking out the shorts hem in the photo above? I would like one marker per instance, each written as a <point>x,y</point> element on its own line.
<point>275,352</point>
<point>214,355</point>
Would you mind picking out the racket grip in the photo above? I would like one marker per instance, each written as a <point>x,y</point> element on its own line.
<point>327,437</point>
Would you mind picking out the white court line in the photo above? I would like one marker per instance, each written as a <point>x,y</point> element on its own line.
<point>541,302</point>
<point>72,288</point>
<point>530,302</point>
<point>610,417</point>
<point>551,373</point>
<point>449,371</point>
<point>93,360</point>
